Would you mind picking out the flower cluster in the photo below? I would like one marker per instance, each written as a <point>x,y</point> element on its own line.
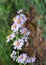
<point>23,58</point>
<point>18,44</point>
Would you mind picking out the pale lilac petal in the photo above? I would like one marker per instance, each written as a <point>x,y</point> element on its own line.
<point>33,59</point>
<point>23,17</point>
<point>19,11</point>
<point>13,55</point>
<point>28,60</point>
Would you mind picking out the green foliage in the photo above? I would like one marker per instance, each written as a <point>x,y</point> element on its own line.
<point>8,10</point>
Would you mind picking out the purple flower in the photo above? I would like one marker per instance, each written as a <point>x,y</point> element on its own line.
<point>30,60</point>
<point>19,19</point>
<point>24,31</point>
<point>15,27</point>
<point>10,37</point>
<point>18,44</point>
<point>22,58</point>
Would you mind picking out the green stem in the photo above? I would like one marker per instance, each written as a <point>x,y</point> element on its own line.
<point>20,63</point>
<point>31,63</point>
<point>24,64</point>
<point>18,53</point>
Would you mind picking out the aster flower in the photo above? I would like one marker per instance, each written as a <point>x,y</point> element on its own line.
<point>13,55</point>
<point>24,31</point>
<point>11,36</point>
<point>22,58</point>
<point>18,44</point>
<point>15,19</point>
<point>19,19</point>
<point>15,27</point>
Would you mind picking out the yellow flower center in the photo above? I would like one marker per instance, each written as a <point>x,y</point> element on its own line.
<point>17,43</point>
<point>9,36</point>
<point>18,21</point>
<point>24,58</point>
<point>14,26</point>
<point>11,55</point>
<point>14,18</point>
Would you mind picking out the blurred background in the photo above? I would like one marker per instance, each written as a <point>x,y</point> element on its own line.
<point>8,9</point>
